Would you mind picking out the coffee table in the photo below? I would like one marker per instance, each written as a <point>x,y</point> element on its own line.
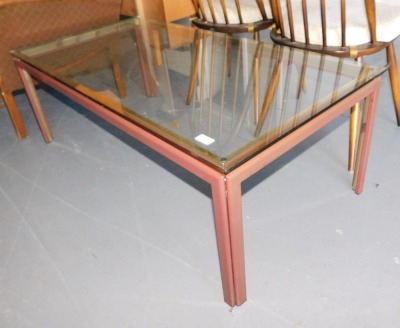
<point>220,107</point>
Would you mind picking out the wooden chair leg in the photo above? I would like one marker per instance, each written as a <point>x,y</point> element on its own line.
<point>195,69</point>
<point>394,78</point>
<point>256,80</point>
<point>256,36</point>
<point>353,135</point>
<point>229,49</point>
<point>270,94</point>
<point>14,113</point>
<point>116,64</point>
<point>354,126</point>
<point>252,89</point>
<point>145,65</point>
<point>157,47</point>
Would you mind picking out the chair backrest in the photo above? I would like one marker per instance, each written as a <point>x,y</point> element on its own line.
<point>233,16</point>
<point>346,28</point>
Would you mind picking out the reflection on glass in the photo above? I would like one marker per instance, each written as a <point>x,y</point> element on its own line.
<point>219,98</point>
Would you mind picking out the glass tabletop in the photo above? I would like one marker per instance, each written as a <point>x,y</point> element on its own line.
<point>219,98</point>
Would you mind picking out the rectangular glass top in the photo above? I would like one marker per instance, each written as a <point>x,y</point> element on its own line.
<point>219,98</point>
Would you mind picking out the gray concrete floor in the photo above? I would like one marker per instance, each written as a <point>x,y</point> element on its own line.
<point>97,230</point>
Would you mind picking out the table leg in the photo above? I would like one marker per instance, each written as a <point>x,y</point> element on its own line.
<point>36,105</point>
<point>221,218</point>
<point>365,137</point>
<point>234,200</point>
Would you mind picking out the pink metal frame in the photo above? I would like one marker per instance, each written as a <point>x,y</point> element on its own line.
<point>226,188</point>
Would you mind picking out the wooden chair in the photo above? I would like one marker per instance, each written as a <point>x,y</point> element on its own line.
<point>233,16</point>
<point>26,22</point>
<point>353,29</point>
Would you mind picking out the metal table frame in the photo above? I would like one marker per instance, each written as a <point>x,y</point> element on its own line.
<point>226,187</point>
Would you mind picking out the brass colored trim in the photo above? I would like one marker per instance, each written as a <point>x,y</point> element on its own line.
<point>251,27</point>
<point>353,52</point>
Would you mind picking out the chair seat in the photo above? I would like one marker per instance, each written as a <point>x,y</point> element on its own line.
<point>357,32</point>
<point>249,9</point>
